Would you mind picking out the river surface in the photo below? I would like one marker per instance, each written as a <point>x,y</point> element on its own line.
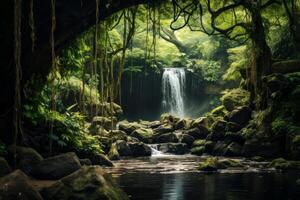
<point>168,177</point>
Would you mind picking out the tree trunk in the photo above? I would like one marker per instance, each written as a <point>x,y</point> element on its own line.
<point>261,61</point>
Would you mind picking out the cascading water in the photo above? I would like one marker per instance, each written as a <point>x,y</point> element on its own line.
<point>173,86</point>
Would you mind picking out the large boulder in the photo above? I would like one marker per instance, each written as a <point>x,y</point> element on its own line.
<point>218,130</point>
<point>123,148</point>
<point>166,137</point>
<point>219,148</point>
<point>4,167</point>
<point>165,128</point>
<point>187,139</point>
<point>105,122</point>
<point>16,186</point>
<point>56,167</point>
<point>143,134</point>
<point>200,122</point>
<point>174,148</point>
<point>27,158</point>
<point>128,127</point>
<point>199,132</point>
<point>241,115</point>
<point>90,183</point>
<point>139,149</point>
<point>233,149</point>
<point>234,98</point>
<point>256,147</point>
<point>234,137</point>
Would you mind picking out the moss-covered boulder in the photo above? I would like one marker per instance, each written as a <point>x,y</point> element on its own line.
<point>282,164</point>
<point>234,98</point>
<point>123,148</point>
<point>106,122</point>
<point>168,118</point>
<point>128,127</point>
<point>139,149</point>
<point>212,164</point>
<point>219,111</point>
<point>165,128</point>
<point>165,138</point>
<point>27,158</point>
<point>198,150</point>
<point>187,139</point>
<point>218,131</point>
<point>233,149</point>
<point>199,132</point>
<point>143,134</point>
<point>240,115</point>
<point>57,167</point>
<point>87,183</point>
<point>199,123</point>
<point>16,185</point>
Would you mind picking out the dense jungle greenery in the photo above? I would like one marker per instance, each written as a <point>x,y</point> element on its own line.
<point>242,58</point>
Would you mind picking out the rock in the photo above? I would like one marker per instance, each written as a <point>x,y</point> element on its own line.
<point>113,152</point>
<point>234,98</point>
<point>187,139</point>
<point>56,167</point>
<point>198,133</point>
<point>85,161</point>
<point>165,128</point>
<point>257,159</point>
<point>168,118</point>
<point>233,149</point>
<point>199,123</point>
<point>152,125</point>
<point>132,139</point>
<point>4,167</point>
<point>209,165</point>
<point>181,124</point>
<point>219,111</point>
<point>174,148</point>
<point>143,134</point>
<point>115,135</point>
<point>275,82</point>
<point>16,186</point>
<point>165,138</point>
<point>90,183</point>
<point>282,164</point>
<point>100,159</point>
<point>241,115</point>
<point>218,130</point>
<point>27,158</point>
<point>234,137</point>
<point>209,146</point>
<point>123,148</point>
<point>233,127</point>
<point>219,148</point>
<point>212,164</point>
<point>105,122</point>
<point>198,150</point>
<point>139,149</point>
<point>198,143</point>
<point>129,127</point>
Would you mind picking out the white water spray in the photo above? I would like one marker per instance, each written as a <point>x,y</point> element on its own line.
<point>173,86</point>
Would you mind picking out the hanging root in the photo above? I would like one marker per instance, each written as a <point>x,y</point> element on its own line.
<point>31,25</point>
<point>18,72</point>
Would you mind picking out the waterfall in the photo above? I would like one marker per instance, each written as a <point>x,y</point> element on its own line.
<point>173,86</point>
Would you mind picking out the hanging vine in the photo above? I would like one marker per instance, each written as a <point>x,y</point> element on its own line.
<point>53,70</point>
<point>31,25</point>
<point>18,73</point>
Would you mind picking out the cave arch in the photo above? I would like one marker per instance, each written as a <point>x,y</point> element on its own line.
<point>72,18</point>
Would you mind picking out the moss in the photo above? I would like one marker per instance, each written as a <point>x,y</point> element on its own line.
<point>113,153</point>
<point>234,98</point>
<point>143,134</point>
<point>199,150</point>
<point>219,111</point>
<point>282,164</point>
<point>197,143</point>
<point>229,163</point>
<point>209,164</point>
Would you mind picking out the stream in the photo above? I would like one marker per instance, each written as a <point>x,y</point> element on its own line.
<point>175,177</point>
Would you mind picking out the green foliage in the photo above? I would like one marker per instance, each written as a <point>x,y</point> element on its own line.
<point>210,70</point>
<point>235,97</point>
<point>238,61</point>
